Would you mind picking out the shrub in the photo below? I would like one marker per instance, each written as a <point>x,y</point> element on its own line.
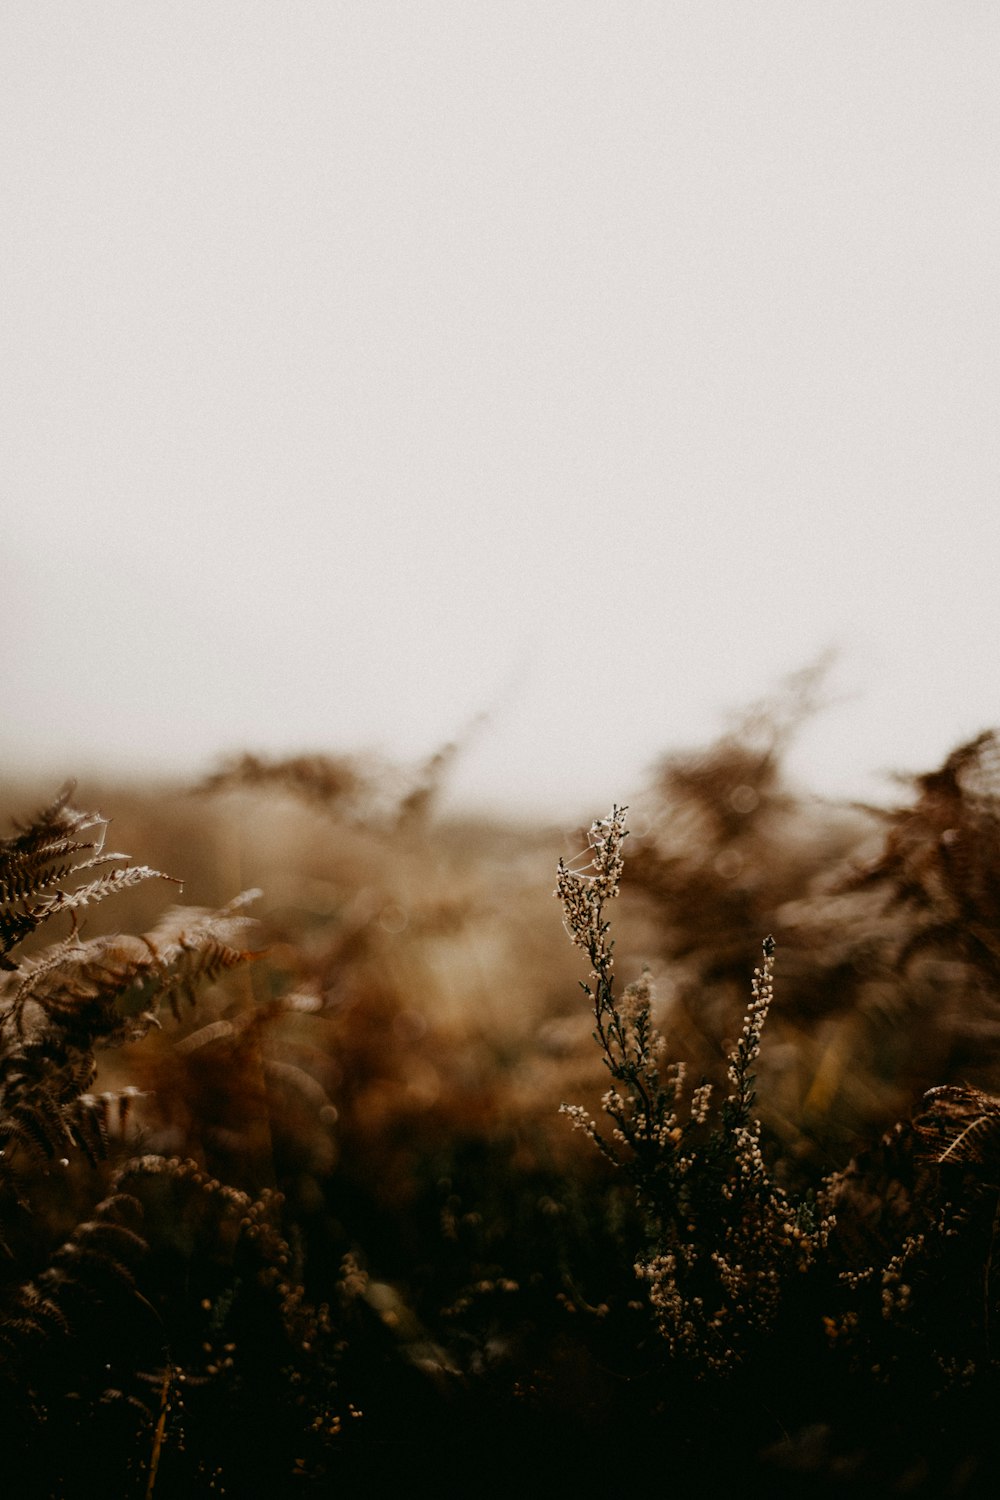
<point>723,1238</point>
<point>861,1310</point>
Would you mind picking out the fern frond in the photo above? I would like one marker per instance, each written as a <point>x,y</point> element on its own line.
<point>940,860</point>
<point>93,1233</point>
<point>94,1260</point>
<point>85,979</point>
<point>20,879</point>
<point>192,946</point>
<point>75,995</point>
<point>94,891</point>
<point>56,820</point>
<point>38,1124</point>
<point>960,1126</point>
<point>119,1205</point>
<point>46,1315</point>
<point>107,989</point>
<point>37,868</point>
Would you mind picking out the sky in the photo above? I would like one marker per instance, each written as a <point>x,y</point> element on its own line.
<point>591,366</point>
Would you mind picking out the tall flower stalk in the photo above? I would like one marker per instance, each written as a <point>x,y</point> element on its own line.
<point>722,1236</point>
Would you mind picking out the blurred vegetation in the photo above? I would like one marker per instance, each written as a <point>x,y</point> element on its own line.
<point>288,1205</point>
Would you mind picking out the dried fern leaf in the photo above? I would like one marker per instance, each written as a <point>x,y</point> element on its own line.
<point>37,868</point>
<point>961,1126</point>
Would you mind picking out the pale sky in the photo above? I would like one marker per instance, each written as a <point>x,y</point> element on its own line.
<point>368,365</point>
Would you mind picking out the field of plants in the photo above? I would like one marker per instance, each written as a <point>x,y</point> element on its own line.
<point>351,1148</point>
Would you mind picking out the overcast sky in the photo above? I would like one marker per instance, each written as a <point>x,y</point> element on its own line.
<point>368,365</point>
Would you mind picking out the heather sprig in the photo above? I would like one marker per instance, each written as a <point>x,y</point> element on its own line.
<point>722,1237</point>
<point>640,1100</point>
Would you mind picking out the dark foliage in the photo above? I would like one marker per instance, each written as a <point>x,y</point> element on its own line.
<point>287,1207</point>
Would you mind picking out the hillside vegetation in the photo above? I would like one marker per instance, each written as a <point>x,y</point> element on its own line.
<point>321,1174</point>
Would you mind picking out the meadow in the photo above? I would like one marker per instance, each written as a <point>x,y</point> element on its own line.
<point>354,1148</point>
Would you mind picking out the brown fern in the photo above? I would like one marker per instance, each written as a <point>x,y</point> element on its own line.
<point>960,1126</point>
<point>941,858</point>
<point>60,1004</point>
<point>39,863</point>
